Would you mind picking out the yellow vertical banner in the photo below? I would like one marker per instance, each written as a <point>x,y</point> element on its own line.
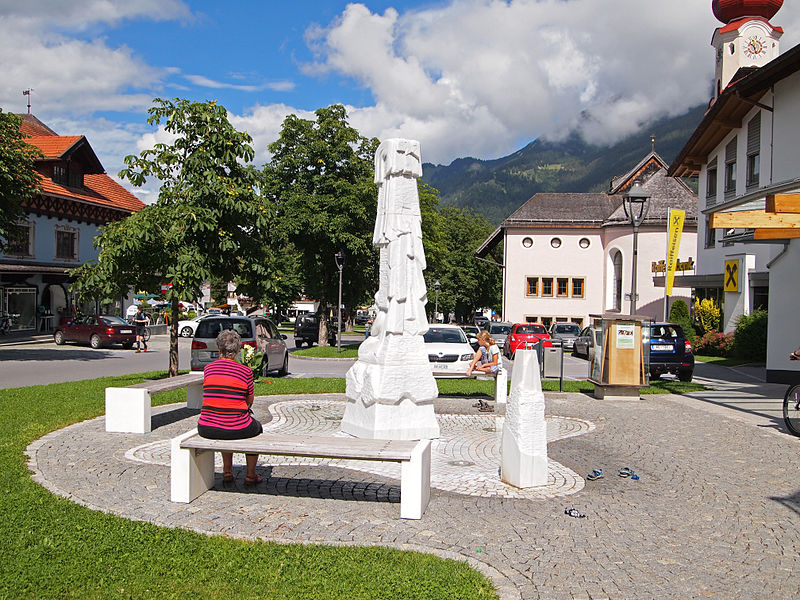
<point>676,218</point>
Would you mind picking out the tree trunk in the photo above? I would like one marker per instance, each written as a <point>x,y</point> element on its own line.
<point>323,324</point>
<point>173,338</point>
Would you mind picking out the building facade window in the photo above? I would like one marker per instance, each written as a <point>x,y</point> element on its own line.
<point>547,286</point>
<point>69,175</point>
<point>21,242</point>
<point>584,243</point>
<point>730,169</point>
<point>616,300</point>
<point>577,287</point>
<point>531,319</point>
<point>754,151</point>
<point>527,242</point>
<point>711,234</point>
<point>577,321</point>
<point>66,243</point>
<point>555,242</point>
<point>711,183</point>
<point>547,321</point>
<point>532,286</point>
<point>562,287</point>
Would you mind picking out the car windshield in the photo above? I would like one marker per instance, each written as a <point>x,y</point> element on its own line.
<point>569,329</point>
<point>110,320</point>
<point>210,328</point>
<point>523,329</point>
<point>500,329</point>
<point>447,335</point>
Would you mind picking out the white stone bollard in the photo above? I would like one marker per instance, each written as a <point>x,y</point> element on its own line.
<point>523,449</point>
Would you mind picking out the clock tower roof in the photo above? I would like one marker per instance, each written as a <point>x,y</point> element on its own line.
<point>731,10</point>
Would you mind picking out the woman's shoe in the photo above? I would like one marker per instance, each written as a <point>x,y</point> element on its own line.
<point>228,477</point>
<point>253,480</point>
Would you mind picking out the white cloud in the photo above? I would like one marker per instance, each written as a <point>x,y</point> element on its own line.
<point>203,81</point>
<point>81,14</point>
<point>473,77</point>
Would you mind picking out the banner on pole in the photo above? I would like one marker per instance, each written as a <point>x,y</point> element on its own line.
<point>676,218</point>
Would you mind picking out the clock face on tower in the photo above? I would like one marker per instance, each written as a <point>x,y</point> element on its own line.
<point>755,47</point>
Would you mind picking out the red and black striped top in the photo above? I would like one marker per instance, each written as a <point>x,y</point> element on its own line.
<point>226,387</point>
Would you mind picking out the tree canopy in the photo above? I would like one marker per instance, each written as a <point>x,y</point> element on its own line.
<point>19,180</point>
<point>208,219</point>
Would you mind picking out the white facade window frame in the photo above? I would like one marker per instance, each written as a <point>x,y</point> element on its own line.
<point>76,246</point>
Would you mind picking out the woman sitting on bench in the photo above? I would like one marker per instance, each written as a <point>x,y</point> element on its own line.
<point>487,358</point>
<point>227,397</point>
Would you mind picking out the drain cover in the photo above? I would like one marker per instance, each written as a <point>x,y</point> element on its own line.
<point>460,463</point>
<point>492,429</point>
<point>333,418</point>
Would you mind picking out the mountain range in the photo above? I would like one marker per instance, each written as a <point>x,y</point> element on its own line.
<point>496,188</point>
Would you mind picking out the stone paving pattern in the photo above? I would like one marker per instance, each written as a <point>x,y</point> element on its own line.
<point>716,513</point>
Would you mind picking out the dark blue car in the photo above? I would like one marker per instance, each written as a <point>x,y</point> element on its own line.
<point>670,352</point>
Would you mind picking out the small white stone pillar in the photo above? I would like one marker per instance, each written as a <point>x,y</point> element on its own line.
<point>523,449</point>
<point>391,389</point>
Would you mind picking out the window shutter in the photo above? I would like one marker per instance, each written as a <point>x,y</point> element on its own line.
<point>730,151</point>
<point>754,135</point>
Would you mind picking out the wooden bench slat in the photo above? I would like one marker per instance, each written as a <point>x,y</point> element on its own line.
<point>171,383</point>
<point>297,445</point>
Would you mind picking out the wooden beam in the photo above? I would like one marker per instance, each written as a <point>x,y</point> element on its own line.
<point>775,234</point>
<point>783,203</point>
<point>754,219</point>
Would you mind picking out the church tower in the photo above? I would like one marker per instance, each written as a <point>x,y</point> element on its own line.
<point>747,38</point>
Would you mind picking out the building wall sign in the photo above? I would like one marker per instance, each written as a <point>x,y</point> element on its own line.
<point>680,265</point>
<point>731,276</point>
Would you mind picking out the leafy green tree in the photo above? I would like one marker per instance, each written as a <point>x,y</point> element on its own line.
<point>19,180</point>
<point>679,313</point>
<point>320,177</point>
<point>467,283</point>
<point>208,220</point>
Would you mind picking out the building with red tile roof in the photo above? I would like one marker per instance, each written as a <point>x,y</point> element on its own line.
<point>76,197</point>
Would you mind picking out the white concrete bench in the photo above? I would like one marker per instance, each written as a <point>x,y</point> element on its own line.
<point>192,461</point>
<point>128,409</point>
<point>500,382</point>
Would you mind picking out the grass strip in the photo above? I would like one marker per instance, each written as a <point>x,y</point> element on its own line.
<point>52,548</point>
<point>349,350</point>
<point>726,361</point>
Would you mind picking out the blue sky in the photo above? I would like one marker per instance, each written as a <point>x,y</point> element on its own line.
<point>465,77</point>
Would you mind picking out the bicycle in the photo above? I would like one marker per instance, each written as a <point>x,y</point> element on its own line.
<point>791,403</point>
<point>791,409</point>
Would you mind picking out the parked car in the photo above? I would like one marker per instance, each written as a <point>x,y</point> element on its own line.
<point>471,331</point>
<point>499,332</point>
<point>448,350</point>
<point>523,334</point>
<point>258,332</point>
<point>95,330</point>
<point>584,343</point>
<point>480,322</point>
<point>306,330</point>
<point>187,327</point>
<point>670,352</point>
<point>566,332</point>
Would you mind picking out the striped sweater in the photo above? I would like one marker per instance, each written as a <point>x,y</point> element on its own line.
<point>226,387</point>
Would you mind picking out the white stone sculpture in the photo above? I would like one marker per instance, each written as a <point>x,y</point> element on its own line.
<point>523,449</point>
<point>391,389</point>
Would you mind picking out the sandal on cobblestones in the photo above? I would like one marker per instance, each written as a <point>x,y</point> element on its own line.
<point>253,480</point>
<point>573,512</point>
<point>626,472</point>
<point>595,475</point>
<point>228,477</point>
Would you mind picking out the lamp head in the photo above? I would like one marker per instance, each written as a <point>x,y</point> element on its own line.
<point>340,259</point>
<point>635,203</point>
<point>437,286</point>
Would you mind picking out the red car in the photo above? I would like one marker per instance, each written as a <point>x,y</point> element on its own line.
<point>96,330</point>
<point>523,334</point>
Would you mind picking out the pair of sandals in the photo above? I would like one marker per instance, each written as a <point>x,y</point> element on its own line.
<point>228,477</point>
<point>624,472</point>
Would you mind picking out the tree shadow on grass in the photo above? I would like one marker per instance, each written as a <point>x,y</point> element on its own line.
<point>53,354</point>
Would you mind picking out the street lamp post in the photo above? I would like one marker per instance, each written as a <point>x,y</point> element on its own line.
<point>436,286</point>
<point>340,260</point>
<point>635,203</point>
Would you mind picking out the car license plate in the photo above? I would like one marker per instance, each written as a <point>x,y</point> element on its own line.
<point>214,354</point>
<point>126,330</point>
<point>662,346</point>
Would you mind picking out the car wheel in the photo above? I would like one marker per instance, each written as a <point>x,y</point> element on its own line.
<point>284,370</point>
<point>94,341</point>
<point>685,376</point>
<point>127,345</point>
<point>186,332</point>
<point>58,338</point>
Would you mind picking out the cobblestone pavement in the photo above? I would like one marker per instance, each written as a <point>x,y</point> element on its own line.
<point>715,513</point>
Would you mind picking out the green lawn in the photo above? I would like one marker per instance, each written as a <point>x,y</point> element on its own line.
<point>349,350</point>
<point>52,548</point>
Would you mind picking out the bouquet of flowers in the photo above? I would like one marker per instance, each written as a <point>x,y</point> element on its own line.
<point>250,357</point>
